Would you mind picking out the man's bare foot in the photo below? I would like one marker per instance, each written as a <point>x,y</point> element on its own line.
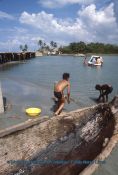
<point>56,114</point>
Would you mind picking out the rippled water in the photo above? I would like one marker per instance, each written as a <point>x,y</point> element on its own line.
<point>111,164</point>
<point>30,84</point>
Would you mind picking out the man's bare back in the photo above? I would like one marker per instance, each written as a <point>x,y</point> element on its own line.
<point>58,92</point>
<point>61,85</point>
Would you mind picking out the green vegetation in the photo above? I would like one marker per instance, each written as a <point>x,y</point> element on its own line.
<point>81,47</point>
<point>53,44</point>
<point>75,47</point>
<point>43,46</point>
<point>24,48</point>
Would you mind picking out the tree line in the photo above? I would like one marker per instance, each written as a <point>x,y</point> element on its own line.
<point>76,47</point>
<point>81,47</point>
<point>42,46</point>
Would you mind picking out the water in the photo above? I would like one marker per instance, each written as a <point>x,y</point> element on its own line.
<point>111,164</point>
<point>31,84</point>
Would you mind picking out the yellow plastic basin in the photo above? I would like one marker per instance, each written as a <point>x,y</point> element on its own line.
<point>33,111</point>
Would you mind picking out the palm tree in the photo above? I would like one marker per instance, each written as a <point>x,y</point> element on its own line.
<point>55,45</point>
<point>25,47</point>
<point>40,43</point>
<point>44,45</point>
<point>52,43</point>
<point>21,47</point>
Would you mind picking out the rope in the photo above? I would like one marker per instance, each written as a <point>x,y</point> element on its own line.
<point>76,102</point>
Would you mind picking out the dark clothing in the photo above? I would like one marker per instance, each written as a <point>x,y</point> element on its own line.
<point>104,89</point>
<point>107,89</point>
<point>98,87</point>
<point>58,95</point>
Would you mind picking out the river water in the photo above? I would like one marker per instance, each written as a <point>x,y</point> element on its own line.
<point>30,84</point>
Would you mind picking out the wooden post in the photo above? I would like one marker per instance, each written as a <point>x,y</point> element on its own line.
<point>1,101</point>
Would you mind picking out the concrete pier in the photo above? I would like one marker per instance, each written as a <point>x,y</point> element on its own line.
<point>1,101</point>
<point>15,56</point>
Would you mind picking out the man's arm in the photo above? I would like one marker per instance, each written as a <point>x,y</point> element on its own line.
<point>68,93</point>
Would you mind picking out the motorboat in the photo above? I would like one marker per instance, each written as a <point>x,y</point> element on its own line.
<point>95,61</point>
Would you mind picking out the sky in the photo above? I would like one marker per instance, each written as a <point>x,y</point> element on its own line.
<point>62,21</point>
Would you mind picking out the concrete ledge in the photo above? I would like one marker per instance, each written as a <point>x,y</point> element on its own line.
<point>22,126</point>
<point>1,101</point>
<point>31,122</point>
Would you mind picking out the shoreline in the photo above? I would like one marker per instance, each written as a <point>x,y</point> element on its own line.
<point>88,54</point>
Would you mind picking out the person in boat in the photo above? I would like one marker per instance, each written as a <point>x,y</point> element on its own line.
<point>105,90</point>
<point>99,60</point>
<point>85,61</point>
<point>59,92</point>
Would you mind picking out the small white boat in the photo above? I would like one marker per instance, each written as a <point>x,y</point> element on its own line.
<point>95,61</point>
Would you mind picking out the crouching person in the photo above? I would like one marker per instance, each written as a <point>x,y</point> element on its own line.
<point>105,90</point>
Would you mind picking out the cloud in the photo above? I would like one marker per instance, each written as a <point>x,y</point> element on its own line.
<point>61,3</point>
<point>16,37</point>
<point>101,24</point>
<point>90,25</point>
<point>6,16</point>
<point>116,9</point>
<point>93,18</point>
<point>42,20</point>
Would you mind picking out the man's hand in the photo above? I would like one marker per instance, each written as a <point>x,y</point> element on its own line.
<point>68,100</point>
